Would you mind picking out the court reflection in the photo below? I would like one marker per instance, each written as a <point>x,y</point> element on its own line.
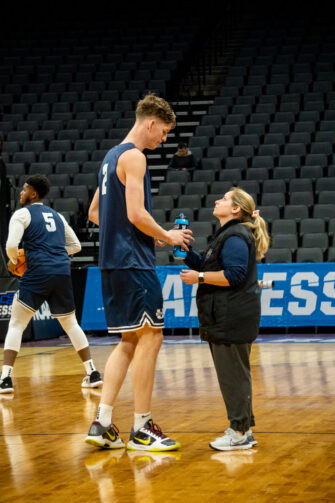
<point>122,475</point>
<point>14,450</point>
<point>6,410</point>
<point>91,401</point>
<point>296,370</point>
<point>236,460</point>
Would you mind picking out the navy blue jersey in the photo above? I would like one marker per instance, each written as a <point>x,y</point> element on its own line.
<point>44,244</point>
<point>122,245</point>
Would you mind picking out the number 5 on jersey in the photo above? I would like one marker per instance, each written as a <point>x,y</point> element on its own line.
<point>50,222</point>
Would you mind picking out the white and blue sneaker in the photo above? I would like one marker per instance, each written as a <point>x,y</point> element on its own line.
<point>251,438</point>
<point>231,440</point>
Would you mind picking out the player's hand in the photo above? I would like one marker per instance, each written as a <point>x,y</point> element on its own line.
<point>181,237</point>
<point>159,242</point>
<point>189,276</point>
<point>11,267</point>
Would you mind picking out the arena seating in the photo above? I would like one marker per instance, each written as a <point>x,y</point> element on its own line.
<point>270,129</point>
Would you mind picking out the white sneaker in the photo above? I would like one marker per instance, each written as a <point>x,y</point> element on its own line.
<point>6,385</point>
<point>231,441</point>
<point>251,437</point>
<point>93,380</point>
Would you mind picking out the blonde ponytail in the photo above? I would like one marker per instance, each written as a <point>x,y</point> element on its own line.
<point>255,222</point>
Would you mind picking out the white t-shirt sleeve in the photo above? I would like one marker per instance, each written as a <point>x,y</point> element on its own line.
<point>72,243</point>
<point>17,225</point>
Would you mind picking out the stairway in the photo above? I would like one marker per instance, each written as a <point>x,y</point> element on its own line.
<point>207,74</point>
<point>188,113</point>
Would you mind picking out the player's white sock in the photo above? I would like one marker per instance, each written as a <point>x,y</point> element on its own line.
<point>140,420</point>
<point>89,367</point>
<point>104,414</point>
<point>7,371</point>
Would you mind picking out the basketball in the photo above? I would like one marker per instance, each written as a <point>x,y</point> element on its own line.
<point>21,265</point>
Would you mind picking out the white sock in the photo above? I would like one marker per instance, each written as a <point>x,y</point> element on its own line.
<point>89,367</point>
<point>104,414</point>
<point>7,371</point>
<point>140,420</point>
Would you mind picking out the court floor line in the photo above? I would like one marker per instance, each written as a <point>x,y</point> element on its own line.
<point>174,433</point>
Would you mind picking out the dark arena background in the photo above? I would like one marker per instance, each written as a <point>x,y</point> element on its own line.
<point>253,88</point>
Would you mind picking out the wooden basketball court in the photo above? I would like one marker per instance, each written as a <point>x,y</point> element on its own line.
<point>43,427</point>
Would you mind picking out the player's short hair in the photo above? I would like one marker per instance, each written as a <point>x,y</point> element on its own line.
<point>181,144</point>
<point>154,106</point>
<point>40,183</point>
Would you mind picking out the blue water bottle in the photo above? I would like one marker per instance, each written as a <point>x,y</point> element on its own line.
<point>180,223</point>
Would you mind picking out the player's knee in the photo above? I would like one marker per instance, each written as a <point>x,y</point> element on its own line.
<point>69,322</point>
<point>17,324</point>
<point>158,337</point>
<point>19,319</point>
<point>129,343</point>
<point>155,339</point>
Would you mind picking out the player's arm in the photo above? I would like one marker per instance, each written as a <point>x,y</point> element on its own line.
<point>133,165</point>
<point>217,278</point>
<point>93,211</point>
<point>72,243</point>
<point>17,225</point>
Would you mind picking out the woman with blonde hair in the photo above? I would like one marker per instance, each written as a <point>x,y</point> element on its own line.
<point>228,301</point>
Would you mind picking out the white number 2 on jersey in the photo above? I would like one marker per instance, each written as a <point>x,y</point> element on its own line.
<point>104,180</point>
<point>50,222</point>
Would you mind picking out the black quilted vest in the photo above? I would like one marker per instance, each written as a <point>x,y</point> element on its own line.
<point>229,315</point>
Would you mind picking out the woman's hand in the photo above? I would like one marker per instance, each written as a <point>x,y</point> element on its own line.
<point>159,242</point>
<point>189,276</point>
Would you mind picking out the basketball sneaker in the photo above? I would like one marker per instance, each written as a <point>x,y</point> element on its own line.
<point>151,438</point>
<point>230,441</point>
<point>6,385</point>
<point>105,437</point>
<point>251,438</point>
<point>92,381</point>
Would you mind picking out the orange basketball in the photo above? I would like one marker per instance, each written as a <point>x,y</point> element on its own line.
<point>21,265</point>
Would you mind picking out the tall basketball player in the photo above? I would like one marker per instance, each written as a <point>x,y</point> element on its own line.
<point>48,241</point>
<point>131,290</point>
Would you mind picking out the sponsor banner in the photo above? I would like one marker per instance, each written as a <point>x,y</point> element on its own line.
<point>93,315</point>
<point>6,300</point>
<point>8,287</point>
<point>303,295</point>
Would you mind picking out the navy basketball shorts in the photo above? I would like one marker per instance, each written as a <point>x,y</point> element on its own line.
<point>56,290</point>
<point>132,298</point>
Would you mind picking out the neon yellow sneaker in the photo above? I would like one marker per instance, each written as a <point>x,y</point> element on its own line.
<point>105,437</point>
<point>151,438</point>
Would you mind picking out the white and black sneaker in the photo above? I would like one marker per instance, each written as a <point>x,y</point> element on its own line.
<point>105,437</point>
<point>151,438</point>
<point>92,381</point>
<point>232,440</point>
<point>251,438</point>
<point>6,385</point>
